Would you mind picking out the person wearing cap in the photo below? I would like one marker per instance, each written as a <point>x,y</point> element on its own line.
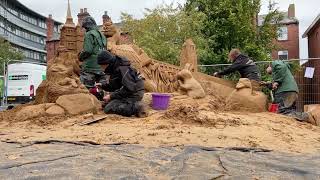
<point>94,43</point>
<point>125,86</point>
<point>245,66</point>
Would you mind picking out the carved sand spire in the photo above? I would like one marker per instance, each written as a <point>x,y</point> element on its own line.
<point>69,21</point>
<point>189,55</point>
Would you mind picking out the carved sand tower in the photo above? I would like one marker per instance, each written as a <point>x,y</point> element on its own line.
<point>68,38</point>
<point>63,71</point>
<point>189,55</point>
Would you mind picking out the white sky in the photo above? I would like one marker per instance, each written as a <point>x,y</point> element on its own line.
<point>306,10</point>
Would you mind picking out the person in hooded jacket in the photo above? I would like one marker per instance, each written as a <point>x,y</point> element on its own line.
<point>285,90</point>
<point>126,86</point>
<point>94,43</point>
<point>245,66</point>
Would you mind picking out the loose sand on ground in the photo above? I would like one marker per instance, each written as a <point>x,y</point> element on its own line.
<point>205,122</point>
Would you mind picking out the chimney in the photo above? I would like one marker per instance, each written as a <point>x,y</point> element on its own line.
<point>50,27</point>
<point>106,17</point>
<point>291,11</point>
<point>82,14</point>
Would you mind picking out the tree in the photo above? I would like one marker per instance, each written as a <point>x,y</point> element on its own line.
<point>7,52</point>
<point>164,29</point>
<point>233,24</point>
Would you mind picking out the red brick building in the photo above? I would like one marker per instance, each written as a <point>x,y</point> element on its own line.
<point>312,86</point>
<point>288,35</point>
<point>313,35</point>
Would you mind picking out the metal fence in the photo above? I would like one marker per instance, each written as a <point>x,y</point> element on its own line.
<point>309,88</point>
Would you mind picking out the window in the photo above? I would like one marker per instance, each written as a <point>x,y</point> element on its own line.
<point>283,33</point>
<point>283,55</point>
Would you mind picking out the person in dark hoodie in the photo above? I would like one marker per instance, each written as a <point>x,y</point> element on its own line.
<point>94,43</point>
<point>244,65</point>
<point>126,86</point>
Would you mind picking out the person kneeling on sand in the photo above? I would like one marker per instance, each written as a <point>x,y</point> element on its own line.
<point>286,91</point>
<point>245,66</point>
<point>126,86</point>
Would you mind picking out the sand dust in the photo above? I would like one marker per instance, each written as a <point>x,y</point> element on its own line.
<point>203,122</point>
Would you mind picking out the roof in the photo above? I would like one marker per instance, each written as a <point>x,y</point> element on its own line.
<point>312,26</point>
<point>20,5</point>
<point>286,19</point>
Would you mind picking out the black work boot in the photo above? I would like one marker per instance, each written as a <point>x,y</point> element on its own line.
<point>140,110</point>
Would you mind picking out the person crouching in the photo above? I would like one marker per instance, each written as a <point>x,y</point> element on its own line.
<point>126,86</point>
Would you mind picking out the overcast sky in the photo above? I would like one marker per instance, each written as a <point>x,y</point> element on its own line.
<point>306,10</point>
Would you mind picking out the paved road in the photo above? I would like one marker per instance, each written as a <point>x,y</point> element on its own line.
<point>73,160</point>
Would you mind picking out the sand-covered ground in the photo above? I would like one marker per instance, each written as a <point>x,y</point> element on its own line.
<point>205,122</point>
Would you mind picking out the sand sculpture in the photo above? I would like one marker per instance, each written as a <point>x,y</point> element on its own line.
<point>188,85</point>
<point>62,78</point>
<point>159,76</point>
<point>63,94</point>
<point>244,94</point>
<point>189,55</point>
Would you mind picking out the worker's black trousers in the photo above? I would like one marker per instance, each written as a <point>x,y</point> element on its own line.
<point>122,107</point>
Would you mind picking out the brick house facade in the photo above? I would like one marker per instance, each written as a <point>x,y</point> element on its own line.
<point>288,39</point>
<point>288,35</point>
<point>312,88</point>
<point>313,35</point>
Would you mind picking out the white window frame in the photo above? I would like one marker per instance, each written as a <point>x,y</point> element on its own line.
<point>283,34</point>
<point>283,53</point>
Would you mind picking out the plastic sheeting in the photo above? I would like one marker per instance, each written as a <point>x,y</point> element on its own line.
<point>71,160</point>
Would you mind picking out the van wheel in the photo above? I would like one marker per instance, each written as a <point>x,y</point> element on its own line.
<point>10,107</point>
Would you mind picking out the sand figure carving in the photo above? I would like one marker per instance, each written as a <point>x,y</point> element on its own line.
<point>110,31</point>
<point>188,85</point>
<point>313,111</point>
<point>245,98</point>
<point>159,76</point>
<point>62,79</point>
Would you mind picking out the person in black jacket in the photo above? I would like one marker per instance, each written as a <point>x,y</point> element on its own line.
<point>125,86</point>
<point>244,65</point>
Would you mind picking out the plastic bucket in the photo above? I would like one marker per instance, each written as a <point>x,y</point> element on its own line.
<point>273,108</point>
<point>160,101</point>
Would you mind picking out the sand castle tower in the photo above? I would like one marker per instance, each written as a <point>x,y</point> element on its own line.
<point>189,55</point>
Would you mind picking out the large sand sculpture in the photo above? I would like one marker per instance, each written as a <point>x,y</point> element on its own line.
<point>63,94</point>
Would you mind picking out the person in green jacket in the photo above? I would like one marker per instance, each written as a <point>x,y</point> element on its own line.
<point>94,43</point>
<point>285,90</point>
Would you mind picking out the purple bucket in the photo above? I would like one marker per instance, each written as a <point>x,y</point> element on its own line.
<point>160,101</point>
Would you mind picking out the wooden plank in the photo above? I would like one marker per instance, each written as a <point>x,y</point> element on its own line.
<point>93,119</point>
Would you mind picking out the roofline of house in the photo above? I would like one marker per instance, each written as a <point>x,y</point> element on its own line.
<point>317,20</point>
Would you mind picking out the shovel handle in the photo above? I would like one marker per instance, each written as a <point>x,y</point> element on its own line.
<point>271,95</point>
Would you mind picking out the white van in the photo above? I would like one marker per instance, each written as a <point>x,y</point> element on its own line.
<point>22,81</point>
